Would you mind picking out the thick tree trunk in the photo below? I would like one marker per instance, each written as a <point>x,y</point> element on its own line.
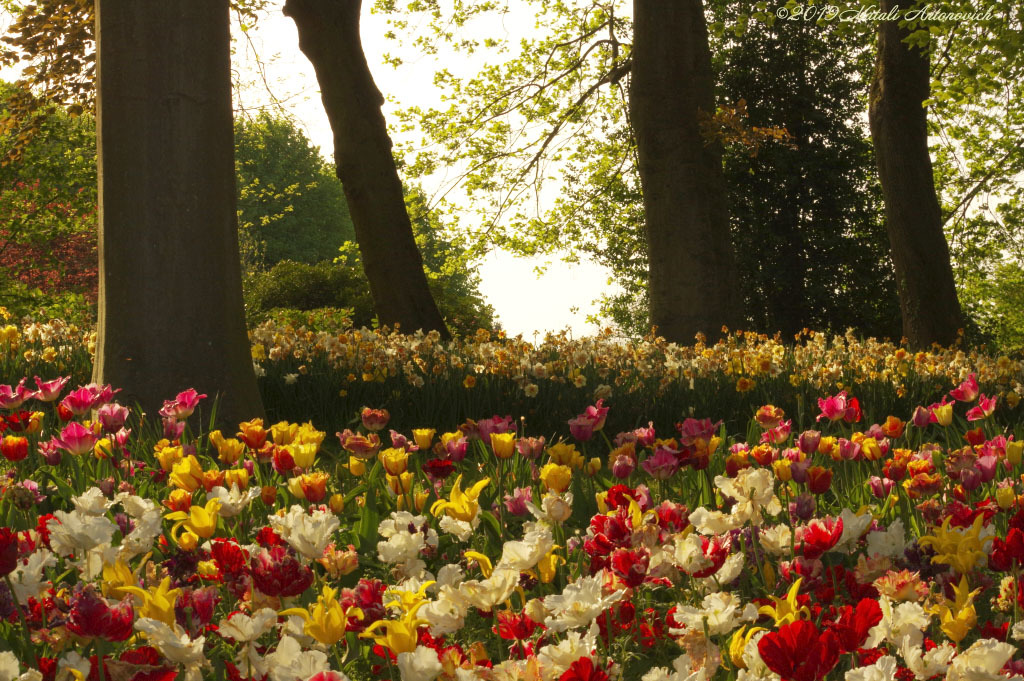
<point>329,37</point>
<point>692,270</point>
<point>170,293</point>
<point>899,129</point>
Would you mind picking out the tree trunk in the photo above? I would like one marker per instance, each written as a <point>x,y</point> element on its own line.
<point>329,37</point>
<point>899,130</point>
<point>692,270</point>
<point>170,293</point>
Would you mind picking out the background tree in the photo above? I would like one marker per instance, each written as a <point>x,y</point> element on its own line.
<point>170,296</point>
<point>329,37</point>
<point>913,218</point>
<point>690,260</point>
<point>290,204</point>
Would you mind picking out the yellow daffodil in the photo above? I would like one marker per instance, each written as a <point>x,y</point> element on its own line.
<point>200,520</point>
<point>786,610</point>
<point>400,635</point>
<point>157,602</point>
<point>187,474</point>
<point>960,551</point>
<point>461,505</point>
<point>485,564</point>
<point>326,620</point>
<point>407,600</point>
<point>548,565</point>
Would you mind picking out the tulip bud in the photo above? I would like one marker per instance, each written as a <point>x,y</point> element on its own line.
<point>1006,497</point>
<point>188,541</point>
<point>337,503</point>
<point>268,495</point>
<point>1014,449</point>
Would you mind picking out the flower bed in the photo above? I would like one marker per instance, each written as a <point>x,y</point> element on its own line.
<point>158,551</point>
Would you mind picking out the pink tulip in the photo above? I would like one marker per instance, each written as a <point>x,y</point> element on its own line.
<point>50,390</point>
<point>76,439</point>
<point>967,391</point>
<point>14,397</point>
<point>986,405</point>
<point>833,408</point>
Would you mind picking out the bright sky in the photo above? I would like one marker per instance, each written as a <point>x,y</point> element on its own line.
<point>561,298</point>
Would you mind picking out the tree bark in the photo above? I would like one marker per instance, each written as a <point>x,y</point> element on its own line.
<point>899,130</point>
<point>692,270</point>
<point>170,294</point>
<point>329,37</point>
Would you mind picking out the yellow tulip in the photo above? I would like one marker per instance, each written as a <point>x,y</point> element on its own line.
<point>482,561</point>
<point>738,642</point>
<point>187,474</point>
<point>503,444</point>
<point>356,466</point>
<point>395,461</point>
<point>283,433</point>
<point>400,636</point>
<point>1014,450</point>
<point>400,484</point>
<point>200,520</point>
<point>304,454</point>
<point>786,610</point>
<point>959,551</point>
<point>236,476</point>
<point>118,576</point>
<point>565,454</point>
<point>326,620</point>
<point>944,414</point>
<point>157,602</point>
<point>461,505</point>
<point>168,456</point>
<point>308,435</point>
<point>407,600</point>
<point>424,437</point>
<point>555,477</point>
<point>228,450</point>
<point>548,565</point>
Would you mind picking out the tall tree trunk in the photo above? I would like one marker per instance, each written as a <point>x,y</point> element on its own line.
<point>170,292</point>
<point>329,37</point>
<point>692,270</point>
<point>899,130</point>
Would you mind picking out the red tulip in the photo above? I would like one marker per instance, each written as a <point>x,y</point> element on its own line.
<point>799,652</point>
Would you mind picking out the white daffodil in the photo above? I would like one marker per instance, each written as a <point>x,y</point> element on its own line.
<point>579,604</point>
<point>419,665</point>
<point>754,491</point>
<point>233,501</point>
<point>78,532</point>
<point>175,645</point>
<point>307,533</point>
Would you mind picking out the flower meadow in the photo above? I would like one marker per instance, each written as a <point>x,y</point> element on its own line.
<point>149,549</point>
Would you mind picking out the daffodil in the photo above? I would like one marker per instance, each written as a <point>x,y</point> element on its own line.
<point>157,602</point>
<point>786,610</point>
<point>961,550</point>
<point>399,636</point>
<point>461,505</point>
<point>200,521</point>
<point>407,600</point>
<point>326,620</point>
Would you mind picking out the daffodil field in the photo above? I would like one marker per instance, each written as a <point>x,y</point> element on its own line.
<point>488,508</point>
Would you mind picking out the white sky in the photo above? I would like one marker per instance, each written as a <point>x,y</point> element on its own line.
<point>561,298</point>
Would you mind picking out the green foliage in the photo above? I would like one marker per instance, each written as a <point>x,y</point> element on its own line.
<point>290,204</point>
<point>342,286</point>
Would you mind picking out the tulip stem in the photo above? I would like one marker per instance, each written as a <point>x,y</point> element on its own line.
<point>21,614</point>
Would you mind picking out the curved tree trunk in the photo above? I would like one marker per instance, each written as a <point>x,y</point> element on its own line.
<point>692,270</point>
<point>329,37</point>
<point>170,291</point>
<point>899,130</point>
